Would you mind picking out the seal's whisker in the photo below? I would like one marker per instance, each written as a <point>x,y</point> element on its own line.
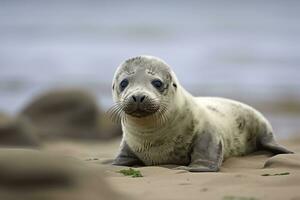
<point>115,112</point>
<point>159,117</point>
<point>123,118</point>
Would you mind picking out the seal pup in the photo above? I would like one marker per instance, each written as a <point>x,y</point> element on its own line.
<point>162,123</point>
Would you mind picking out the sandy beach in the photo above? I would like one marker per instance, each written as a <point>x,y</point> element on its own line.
<point>258,176</point>
<point>60,146</point>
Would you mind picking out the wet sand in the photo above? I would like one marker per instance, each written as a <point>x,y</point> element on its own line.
<point>239,178</point>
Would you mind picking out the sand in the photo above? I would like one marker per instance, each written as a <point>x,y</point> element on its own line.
<point>240,178</point>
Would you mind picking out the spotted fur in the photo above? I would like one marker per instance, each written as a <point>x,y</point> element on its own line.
<point>198,134</point>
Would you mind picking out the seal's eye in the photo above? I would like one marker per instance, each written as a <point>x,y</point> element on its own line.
<point>123,84</point>
<point>157,84</point>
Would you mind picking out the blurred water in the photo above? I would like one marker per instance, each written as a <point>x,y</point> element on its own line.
<point>238,49</point>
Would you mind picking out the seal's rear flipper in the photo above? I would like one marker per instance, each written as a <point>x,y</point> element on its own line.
<point>268,143</point>
<point>276,148</point>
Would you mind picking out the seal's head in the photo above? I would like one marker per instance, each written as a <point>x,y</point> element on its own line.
<point>143,86</point>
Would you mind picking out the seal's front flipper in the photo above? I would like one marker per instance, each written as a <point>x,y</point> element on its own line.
<point>207,154</point>
<point>199,168</point>
<point>267,142</point>
<point>126,157</point>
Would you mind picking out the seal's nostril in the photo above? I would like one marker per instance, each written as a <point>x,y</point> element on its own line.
<point>134,98</point>
<point>142,98</point>
<point>138,98</point>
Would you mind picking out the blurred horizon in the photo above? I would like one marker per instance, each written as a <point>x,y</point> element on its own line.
<point>246,50</point>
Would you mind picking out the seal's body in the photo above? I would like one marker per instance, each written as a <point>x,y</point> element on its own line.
<point>164,124</point>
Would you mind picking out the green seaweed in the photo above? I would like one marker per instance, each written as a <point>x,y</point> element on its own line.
<point>279,174</point>
<point>238,198</point>
<point>131,172</point>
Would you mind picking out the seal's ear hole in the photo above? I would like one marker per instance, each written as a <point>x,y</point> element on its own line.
<point>113,87</point>
<point>174,85</point>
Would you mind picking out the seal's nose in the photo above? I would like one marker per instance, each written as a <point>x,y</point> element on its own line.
<point>140,105</point>
<point>138,98</point>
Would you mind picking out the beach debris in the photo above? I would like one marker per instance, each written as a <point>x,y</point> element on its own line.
<point>131,172</point>
<point>279,174</point>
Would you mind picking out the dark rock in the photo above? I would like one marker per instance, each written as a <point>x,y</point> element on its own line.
<point>29,174</point>
<point>69,114</point>
<point>17,132</point>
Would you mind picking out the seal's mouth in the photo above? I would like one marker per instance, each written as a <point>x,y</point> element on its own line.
<point>140,105</point>
<point>139,113</point>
